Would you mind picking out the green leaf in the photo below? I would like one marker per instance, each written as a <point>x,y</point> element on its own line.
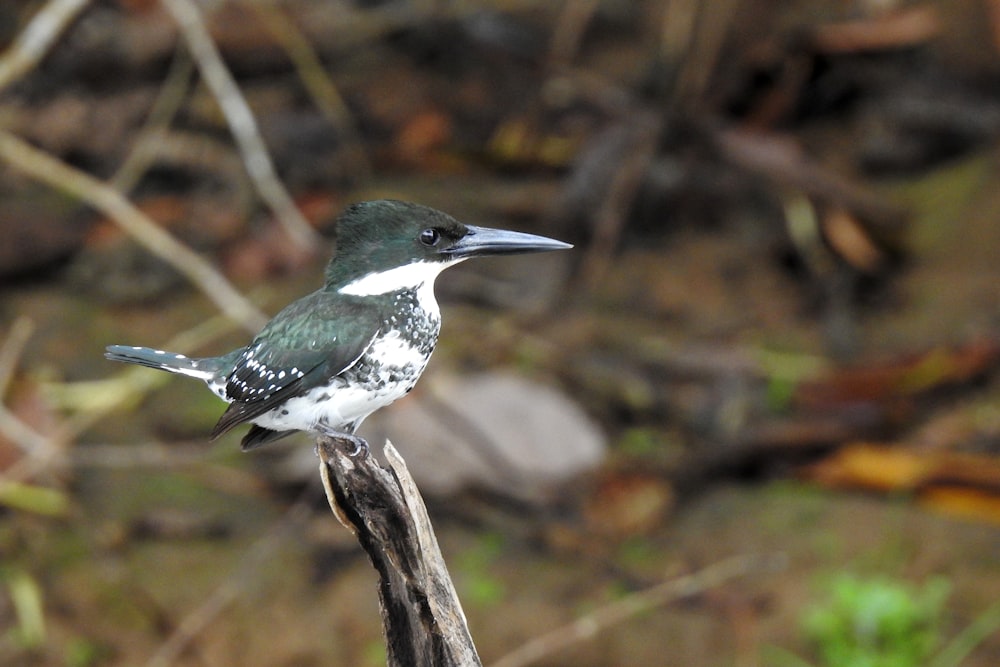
<point>31,498</point>
<point>26,597</point>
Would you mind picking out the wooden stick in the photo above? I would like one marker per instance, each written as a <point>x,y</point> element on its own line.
<point>421,615</point>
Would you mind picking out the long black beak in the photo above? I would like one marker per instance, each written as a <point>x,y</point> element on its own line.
<point>483,241</point>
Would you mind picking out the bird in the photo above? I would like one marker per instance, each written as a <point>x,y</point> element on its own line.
<point>330,359</point>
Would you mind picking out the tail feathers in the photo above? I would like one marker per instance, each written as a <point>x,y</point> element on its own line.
<point>203,369</point>
<point>258,435</point>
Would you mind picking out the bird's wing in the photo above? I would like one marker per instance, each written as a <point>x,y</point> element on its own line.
<point>306,344</point>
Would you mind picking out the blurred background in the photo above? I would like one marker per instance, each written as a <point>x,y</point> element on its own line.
<point>752,419</point>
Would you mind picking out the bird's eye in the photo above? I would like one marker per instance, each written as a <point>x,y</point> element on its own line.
<point>430,237</point>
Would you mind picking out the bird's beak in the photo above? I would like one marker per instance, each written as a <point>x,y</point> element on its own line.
<point>483,241</point>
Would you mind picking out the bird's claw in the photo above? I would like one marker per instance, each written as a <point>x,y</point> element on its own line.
<point>358,443</point>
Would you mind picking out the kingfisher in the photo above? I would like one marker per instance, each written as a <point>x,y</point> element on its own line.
<point>327,361</point>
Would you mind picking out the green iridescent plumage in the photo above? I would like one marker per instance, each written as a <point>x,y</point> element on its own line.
<point>330,359</point>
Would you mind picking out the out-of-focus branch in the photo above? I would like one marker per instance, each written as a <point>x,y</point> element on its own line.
<point>993,9</point>
<point>11,427</point>
<point>39,448</point>
<point>568,34</point>
<point>11,349</point>
<point>86,402</point>
<point>241,122</point>
<point>263,549</point>
<point>35,40</point>
<point>317,83</point>
<point>154,131</point>
<point>630,606</point>
<point>57,174</point>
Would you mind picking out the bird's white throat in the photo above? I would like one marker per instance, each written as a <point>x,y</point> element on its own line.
<point>416,275</point>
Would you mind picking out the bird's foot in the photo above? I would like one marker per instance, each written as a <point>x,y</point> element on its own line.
<point>358,443</point>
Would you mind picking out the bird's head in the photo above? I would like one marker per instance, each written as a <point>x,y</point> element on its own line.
<point>386,245</point>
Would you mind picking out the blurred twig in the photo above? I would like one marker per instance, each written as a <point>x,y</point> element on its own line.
<point>57,174</point>
<point>170,455</point>
<point>993,10</point>
<point>782,160</point>
<point>696,43</point>
<point>612,212</point>
<point>569,29</point>
<point>89,401</point>
<point>11,350</point>
<point>153,133</point>
<point>322,89</point>
<point>241,122</point>
<point>35,39</point>
<point>39,448</point>
<point>905,27</point>
<point>678,30</point>
<point>263,549</point>
<point>630,606</point>
<point>974,634</point>
<point>11,427</point>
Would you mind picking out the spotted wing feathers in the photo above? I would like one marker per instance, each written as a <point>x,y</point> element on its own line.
<point>305,345</point>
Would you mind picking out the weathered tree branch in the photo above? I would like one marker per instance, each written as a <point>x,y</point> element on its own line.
<point>421,615</point>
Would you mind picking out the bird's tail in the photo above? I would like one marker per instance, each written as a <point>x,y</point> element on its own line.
<point>203,369</point>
